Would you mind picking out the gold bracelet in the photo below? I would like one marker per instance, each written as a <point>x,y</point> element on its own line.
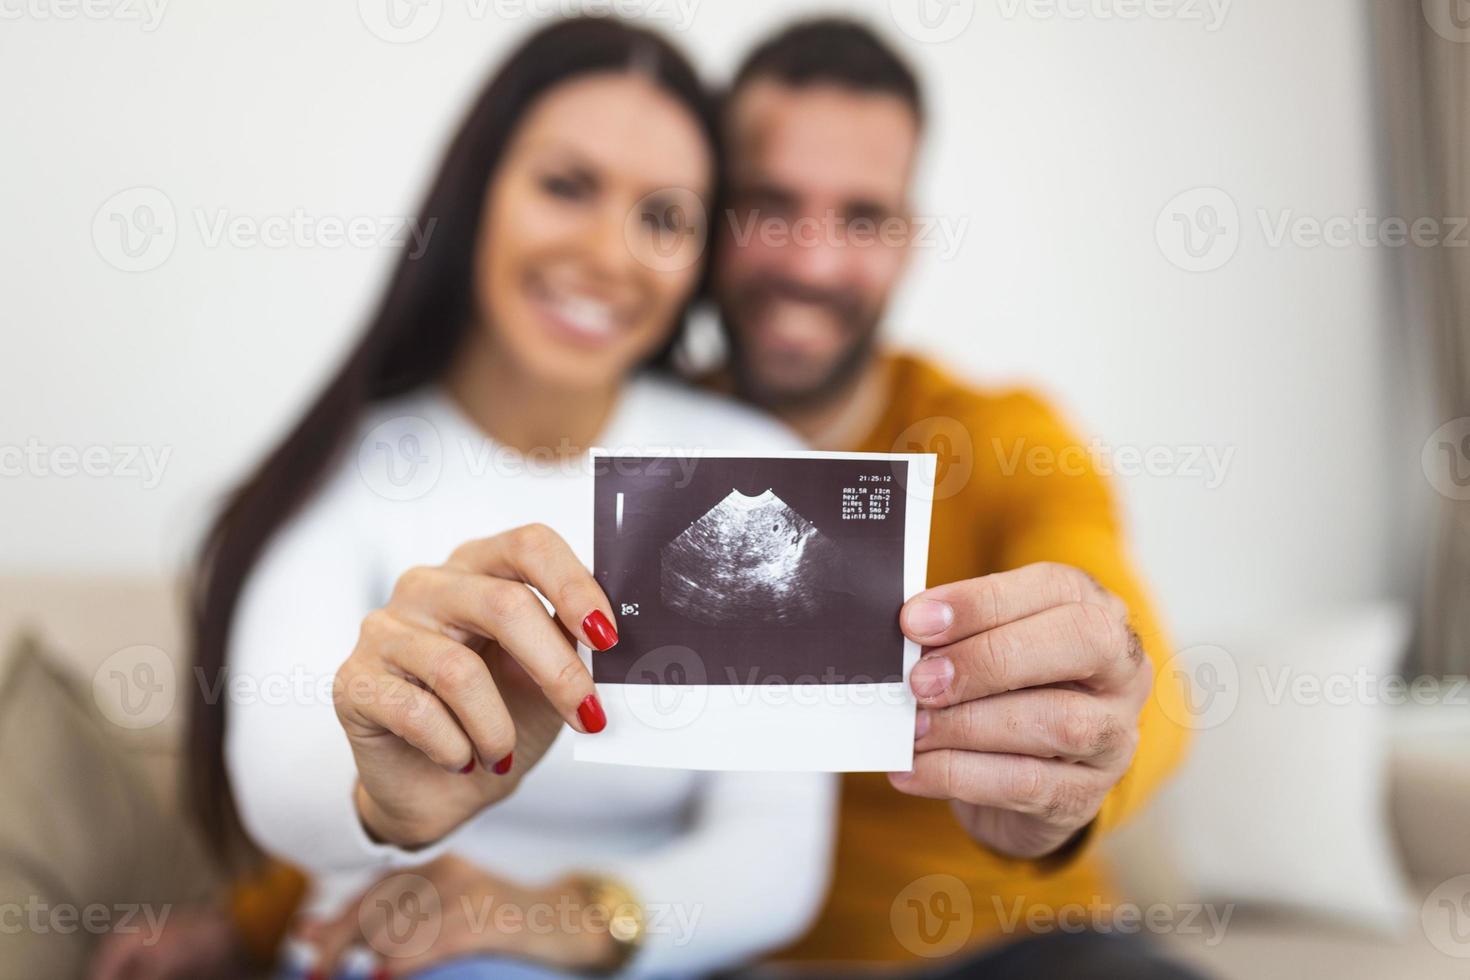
<point>625,922</point>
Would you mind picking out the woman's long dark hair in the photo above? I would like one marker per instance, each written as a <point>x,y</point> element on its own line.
<point>418,328</point>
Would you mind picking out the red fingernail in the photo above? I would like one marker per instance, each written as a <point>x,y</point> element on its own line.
<point>503,766</point>
<point>591,713</point>
<point>600,632</point>
<point>316,975</point>
<point>381,974</point>
<point>468,766</point>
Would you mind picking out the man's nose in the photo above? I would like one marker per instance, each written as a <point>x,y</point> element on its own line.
<point>816,260</point>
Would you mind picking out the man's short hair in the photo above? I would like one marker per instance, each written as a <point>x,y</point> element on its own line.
<point>832,51</point>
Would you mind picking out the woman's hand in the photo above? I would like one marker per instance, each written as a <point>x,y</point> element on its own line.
<point>462,668</point>
<point>450,909</point>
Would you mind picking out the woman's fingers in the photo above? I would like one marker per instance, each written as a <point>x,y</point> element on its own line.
<point>508,612</point>
<point>374,701</point>
<point>536,555</point>
<point>461,679</point>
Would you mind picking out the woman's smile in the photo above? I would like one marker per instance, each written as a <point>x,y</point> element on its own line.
<point>577,316</point>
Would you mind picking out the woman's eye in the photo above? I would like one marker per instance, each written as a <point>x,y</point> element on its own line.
<point>568,188</point>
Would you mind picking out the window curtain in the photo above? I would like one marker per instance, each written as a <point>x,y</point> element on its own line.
<point>1423,51</point>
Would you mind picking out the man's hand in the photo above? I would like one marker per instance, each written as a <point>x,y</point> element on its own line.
<point>1029,693</point>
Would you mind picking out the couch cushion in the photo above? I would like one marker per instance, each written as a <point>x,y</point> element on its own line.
<point>86,844</point>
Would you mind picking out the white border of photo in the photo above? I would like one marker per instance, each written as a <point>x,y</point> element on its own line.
<point>810,727</point>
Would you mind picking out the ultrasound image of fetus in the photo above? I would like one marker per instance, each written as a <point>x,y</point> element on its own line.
<point>749,560</point>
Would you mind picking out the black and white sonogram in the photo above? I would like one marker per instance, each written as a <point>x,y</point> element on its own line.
<point>771,569</point>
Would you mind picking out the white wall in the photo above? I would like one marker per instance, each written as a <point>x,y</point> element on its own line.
<point>1059,140</point>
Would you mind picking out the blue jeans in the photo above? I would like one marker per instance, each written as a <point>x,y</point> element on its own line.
<point>469,968</point>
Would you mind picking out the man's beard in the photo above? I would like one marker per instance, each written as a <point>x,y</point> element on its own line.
<point>857,322</point>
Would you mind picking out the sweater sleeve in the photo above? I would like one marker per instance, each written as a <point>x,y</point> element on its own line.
<point>1062,510</point>
<point>289,761</point>
<point>747,877</point>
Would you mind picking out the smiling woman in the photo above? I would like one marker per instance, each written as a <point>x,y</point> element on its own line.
<point>567,234</point>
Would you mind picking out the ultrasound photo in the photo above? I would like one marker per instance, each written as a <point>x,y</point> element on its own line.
<point>770,569</point>
<point>757,602</point>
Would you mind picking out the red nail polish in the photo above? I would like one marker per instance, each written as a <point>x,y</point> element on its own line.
<point>316,975</point>
<point>600,632</point>
<point>468,766</point>
<point>381,974</point>
<point>503,766</point>
<point>591,713</point>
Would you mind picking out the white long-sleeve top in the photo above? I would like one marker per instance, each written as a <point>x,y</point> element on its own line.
<point>729,865</point>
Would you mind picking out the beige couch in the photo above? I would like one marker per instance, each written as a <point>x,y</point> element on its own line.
<point>59,845</point>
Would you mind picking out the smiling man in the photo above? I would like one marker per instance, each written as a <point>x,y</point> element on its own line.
<point>1040,725</point>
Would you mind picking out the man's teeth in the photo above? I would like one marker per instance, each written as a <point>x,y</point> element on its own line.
<point>587,315</point>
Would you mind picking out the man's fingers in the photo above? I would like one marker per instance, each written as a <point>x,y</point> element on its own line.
<point>538,556</point>
<point>1079,641</point>
<point>946,613</point>
<point>508,612</point>
<point>1054,791</point>
<point>1049,723</point>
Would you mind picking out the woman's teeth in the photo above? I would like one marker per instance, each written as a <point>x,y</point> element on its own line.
<point>588,316</point>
